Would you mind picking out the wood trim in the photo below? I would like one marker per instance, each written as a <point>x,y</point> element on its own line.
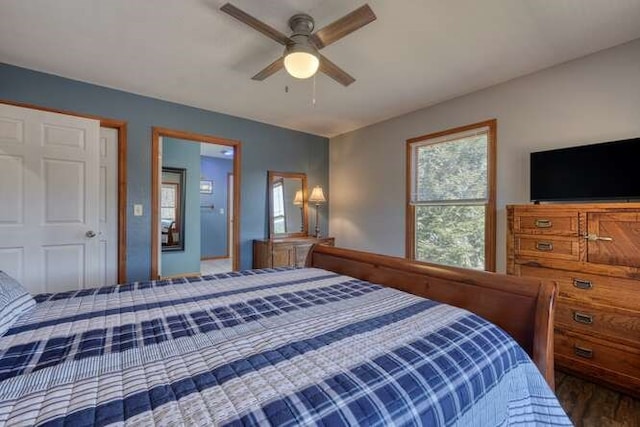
<point>121,127</point>
<point>208,258</point>
<point>486,123</point>
<point>490,214</point>
<point>229,222</point>
<point>156,133</point>
<point>104,121</point>
<point>196,137</point>
<point>522,306</point>
<point>155,201</point>
<point>410,210</point>
<point>490,206</point>
<point>236,205</point>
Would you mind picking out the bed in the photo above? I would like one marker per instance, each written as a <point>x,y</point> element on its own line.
<point>335,343</point>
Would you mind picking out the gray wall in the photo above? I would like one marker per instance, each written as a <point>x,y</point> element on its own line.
<point>264,147</point>
<point>588,100</point>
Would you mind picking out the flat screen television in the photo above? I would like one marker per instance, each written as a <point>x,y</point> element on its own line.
<point>605,171</point>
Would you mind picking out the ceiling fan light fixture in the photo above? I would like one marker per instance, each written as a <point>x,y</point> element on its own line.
<point>301,58</point>
<point>301,61</point>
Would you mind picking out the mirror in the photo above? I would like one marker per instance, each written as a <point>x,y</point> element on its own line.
<point>172,209</point>
<point>287,204</point>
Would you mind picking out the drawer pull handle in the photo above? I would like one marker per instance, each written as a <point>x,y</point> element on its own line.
<point>582,284</point>
<point>587,319</point>
<point>595,237</point>
<point>587,353</point>
<point>544,246</point>
<point>543,223</point>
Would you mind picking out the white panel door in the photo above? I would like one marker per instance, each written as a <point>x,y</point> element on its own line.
<point>108,207</point>
<point>49,176</point>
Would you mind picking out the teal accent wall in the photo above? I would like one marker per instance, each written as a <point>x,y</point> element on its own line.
<point>177,153</point>
<point>264,147</point>
<point>213,224</point>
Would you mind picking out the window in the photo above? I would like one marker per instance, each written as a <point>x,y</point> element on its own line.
<point>278,208</point>
<point>169,202</point>
<point>451,197</point>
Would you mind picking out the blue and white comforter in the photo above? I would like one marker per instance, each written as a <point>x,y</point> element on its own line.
<point>281,347</point>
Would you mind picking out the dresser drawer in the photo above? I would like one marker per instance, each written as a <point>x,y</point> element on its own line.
<point>540,221</point>
<point>597,319</point>
<point>615,357</point>
<point>590,288</point>
<point>558,247</point>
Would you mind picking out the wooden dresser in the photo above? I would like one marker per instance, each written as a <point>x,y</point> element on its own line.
<point>285,252</point>
<point>593,252</point>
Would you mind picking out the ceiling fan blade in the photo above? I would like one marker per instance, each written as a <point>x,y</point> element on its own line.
<point>343,26</point>
<point>335,72</point>
<point>270,69</point>
<point>254,23</point>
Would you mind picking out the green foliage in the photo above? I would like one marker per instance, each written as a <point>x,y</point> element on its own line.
<point>450,171</point>
<point>453,170</point>
<point>452,235</point>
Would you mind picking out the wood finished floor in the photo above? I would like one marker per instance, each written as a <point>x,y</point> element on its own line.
<point>591,405</point>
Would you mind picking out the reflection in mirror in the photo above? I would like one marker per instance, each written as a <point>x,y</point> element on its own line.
<point>172,209</point>
<point>287,204</point>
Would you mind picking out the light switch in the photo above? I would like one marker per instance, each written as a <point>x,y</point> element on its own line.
<point>221,211</point>
<point>137,210</point>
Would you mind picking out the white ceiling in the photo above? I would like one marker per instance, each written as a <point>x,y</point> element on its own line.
<point>214,150</point>
<point>417,53</point>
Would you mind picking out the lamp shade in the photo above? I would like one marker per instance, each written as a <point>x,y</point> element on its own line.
<point>298,199</point>
<point>317,195</point>
<point>301,61</point>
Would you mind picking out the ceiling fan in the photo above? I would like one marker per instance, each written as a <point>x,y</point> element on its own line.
<point>301,58</point>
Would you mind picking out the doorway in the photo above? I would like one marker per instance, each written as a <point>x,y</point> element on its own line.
<point>216,164</point>
<point>191,215</point>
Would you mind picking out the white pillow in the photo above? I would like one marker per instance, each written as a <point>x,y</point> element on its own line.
<point>14,301</point>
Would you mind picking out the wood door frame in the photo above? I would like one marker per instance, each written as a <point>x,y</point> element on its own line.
<point>156,134</point>
<point>121,127</point>
<point>229,230</point>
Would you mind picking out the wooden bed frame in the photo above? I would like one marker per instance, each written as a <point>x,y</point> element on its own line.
<point>521,306</point>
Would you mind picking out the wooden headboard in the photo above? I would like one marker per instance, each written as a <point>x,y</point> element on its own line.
<point>522,306</point>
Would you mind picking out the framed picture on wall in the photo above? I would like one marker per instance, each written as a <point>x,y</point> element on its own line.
<point>206,187</point>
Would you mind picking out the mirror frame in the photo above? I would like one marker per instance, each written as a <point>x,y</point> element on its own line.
<point>182,173</point>
<point>271,177</point>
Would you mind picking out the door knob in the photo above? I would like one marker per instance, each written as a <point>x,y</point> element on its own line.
<point>90,234</point>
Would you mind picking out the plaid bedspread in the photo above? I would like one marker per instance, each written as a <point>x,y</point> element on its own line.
<point>281,347</point>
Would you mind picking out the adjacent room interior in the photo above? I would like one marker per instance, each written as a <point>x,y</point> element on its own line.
<point>325,212</point>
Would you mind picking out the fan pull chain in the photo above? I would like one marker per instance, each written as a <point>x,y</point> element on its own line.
<point>313,100</point>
